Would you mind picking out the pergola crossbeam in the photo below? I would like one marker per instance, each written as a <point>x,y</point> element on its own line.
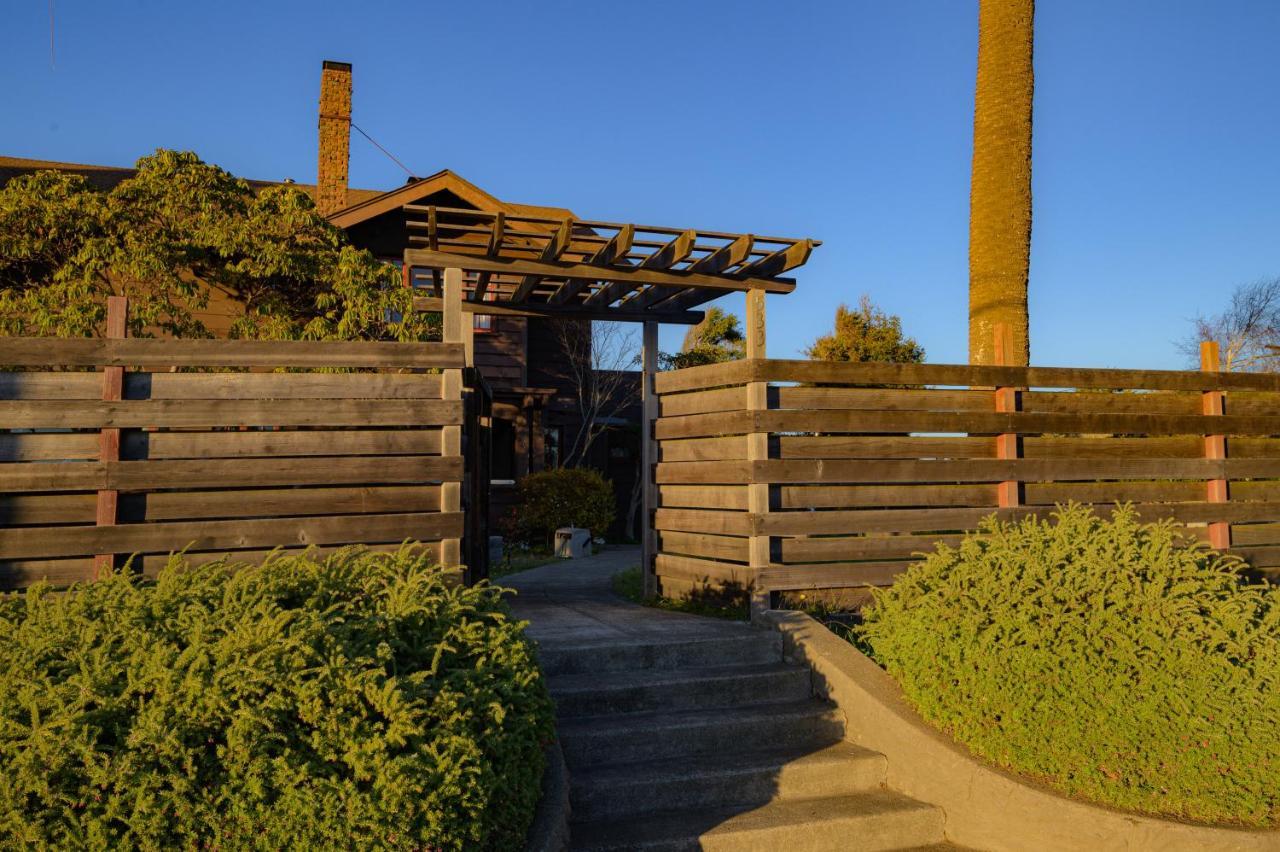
<point>672,252</point>
<point>613,252</point>
<point>495,249</point>
<point>555,248</point>
<point>507,309</point>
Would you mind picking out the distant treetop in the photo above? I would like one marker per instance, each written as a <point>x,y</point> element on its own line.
<point>866,334</point>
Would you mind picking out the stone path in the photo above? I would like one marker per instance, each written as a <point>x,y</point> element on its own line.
<point>684,733</point>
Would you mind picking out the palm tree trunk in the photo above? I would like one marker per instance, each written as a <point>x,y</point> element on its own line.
<point>1000,192</point>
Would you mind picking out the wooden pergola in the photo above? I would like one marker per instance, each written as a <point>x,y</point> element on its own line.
<point>499,263</point>
<point>533,266</point>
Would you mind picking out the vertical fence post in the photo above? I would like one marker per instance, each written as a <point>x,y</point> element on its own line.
<point>1008,445</point>
<point>107,512</point>
<point>758,547</point>
<point>648,458</point>
<point>1215,446</point>
<point>451,390</point>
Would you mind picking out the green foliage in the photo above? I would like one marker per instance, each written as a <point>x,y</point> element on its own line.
<point>353,702</point>
<point>177,237</point>
<point>1115,660</point>
<point>564,497</point>
<point>718,338</point>
<point>629,585</point>
<point>866,334</point>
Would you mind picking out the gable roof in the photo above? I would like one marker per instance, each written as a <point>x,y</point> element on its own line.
<point>423,187</point>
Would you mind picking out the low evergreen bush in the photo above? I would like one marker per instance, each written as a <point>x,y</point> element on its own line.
<point>1114,660</point>
<point>351,702</point>
<point>563,497</point>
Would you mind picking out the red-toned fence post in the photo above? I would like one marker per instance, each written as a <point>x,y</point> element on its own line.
<point>1215,446</point>
<point>109,437</point>
<point>1008,445</point>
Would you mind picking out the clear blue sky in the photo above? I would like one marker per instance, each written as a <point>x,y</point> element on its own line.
<point>1157,132</point>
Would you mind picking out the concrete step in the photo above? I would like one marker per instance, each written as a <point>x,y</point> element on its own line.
<point>678,689</point>
<point>743,647</point>
<point>870,821</point>
<point>630,737</point>
<point>621,791</point>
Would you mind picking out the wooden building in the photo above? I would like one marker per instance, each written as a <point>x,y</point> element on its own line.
<point>528,269</point>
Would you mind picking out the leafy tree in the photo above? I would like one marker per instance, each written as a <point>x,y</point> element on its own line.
<point>174,235</point>
<point>866,334</point>
<point>716,339</point>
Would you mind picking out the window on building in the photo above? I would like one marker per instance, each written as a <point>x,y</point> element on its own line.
<point>552,444</point>
<point>485,322</point>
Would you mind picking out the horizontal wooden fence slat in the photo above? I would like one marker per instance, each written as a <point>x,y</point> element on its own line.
<point>1057,447</point>
<point>25,447</point>
<point>715,522</point>
<point>964,422</point>
<point>966,375</point>
<point>863,547</point>
<point>72,508</point>
<point>31,509</point>
<point>88,386</point>
<point>705,497</point>
<point>703,570</point>
<point>192,414</point>
<point>846,575</point>
<point>701,378</point>
<point>61,572</point>
<point>877,399</point>
<point>852,496</point>
<point>142,352</point>
<point>282,386</point>
<point>45,385</point>
<point>278,502</point>
<point>1049,493</point>
<point>789,471</point>
<point>329,442</point>
<point>703,449</point>
<point>226,473</point>
<point>228,535</point>
<point>701,402</point>
<point>874,447</point>
<point>721,547</point>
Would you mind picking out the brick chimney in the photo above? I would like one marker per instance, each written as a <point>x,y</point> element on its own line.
<point>335,136</point>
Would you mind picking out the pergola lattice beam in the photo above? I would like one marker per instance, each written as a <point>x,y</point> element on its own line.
<point>673,252</point>
<point>556,247</point>
<point>545,311</point>
<point>613,252</point>
<point>598,267</point>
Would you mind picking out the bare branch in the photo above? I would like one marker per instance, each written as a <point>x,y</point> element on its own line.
<point>598,363</point>
<point>1245,331</point>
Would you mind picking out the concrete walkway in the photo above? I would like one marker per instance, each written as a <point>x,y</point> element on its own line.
<point>684,733</point>
<point>572,602</point>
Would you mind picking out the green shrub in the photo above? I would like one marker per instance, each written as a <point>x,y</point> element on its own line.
<point>564,497</point>
<point>1103,657</point>
<point>351,702</point>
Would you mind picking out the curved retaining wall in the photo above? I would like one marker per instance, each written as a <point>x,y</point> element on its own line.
<point>550,829</point>
<point>985,808</point>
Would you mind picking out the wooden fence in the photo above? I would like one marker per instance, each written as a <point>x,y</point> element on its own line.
<point>866,465</point>
<point>136,458</point>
